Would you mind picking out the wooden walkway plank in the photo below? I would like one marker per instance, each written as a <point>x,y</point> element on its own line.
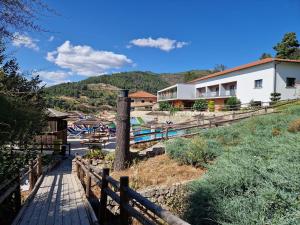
<point>59,200</point>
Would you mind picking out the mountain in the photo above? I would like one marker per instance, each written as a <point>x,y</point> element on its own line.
<point>95,93</point>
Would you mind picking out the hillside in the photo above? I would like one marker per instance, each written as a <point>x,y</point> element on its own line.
<point>252,171</point>
<point>91,94</point>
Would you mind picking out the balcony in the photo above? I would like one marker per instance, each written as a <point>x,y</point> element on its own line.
<point>167,96</point>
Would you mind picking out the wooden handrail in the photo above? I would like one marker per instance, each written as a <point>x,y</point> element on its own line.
<point>123,195</point>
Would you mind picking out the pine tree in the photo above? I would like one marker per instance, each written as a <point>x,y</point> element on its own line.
<point>288,47</point>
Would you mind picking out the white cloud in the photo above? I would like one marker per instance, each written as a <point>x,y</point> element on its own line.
<point>51,38</point>
<point>22,40</point>
<point>53,77</point>
<point>84,60</point>
<point>164,44</point>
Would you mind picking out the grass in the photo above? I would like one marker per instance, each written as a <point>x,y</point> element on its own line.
<point>255,179</point>
<point>167,172</point>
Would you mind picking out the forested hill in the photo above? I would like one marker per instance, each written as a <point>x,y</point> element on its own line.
<point>90,94</point>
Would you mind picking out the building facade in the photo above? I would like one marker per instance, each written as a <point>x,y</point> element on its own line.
<point>251,82</point>
<point>142,100</point>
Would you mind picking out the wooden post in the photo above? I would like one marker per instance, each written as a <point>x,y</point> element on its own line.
<point>167,131</point>
<point>103,197</point>
<point>122,153</point>
<point>31,176</point>
<point>266,109</point>
<point>17,194</point>
<point>233,115</point>
<point>76,165</point>
<point>39,165</point>
<point>124,216</point>
<point>88,180</point>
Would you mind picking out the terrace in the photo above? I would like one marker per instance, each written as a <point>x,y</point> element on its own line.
<point>218,90</point>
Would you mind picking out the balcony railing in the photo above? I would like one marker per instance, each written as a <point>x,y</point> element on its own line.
<point>168,96</point>
<point>216,94</point>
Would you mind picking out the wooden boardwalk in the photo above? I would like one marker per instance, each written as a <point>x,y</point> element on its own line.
<point>58,201</point>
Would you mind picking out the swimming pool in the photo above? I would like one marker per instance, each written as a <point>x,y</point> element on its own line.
<point>154,136</point>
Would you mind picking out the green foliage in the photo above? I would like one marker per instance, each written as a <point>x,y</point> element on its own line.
<point>164,106</point>
<point>22,106</point>
<point>200,105</point>
<point>95,153</point>
<point>288,48</point>
<point>233,103</point>
<point>194,74</point>
<point>275,97</point>
<point>219,68</point>
<point>254,180</point>
<point>197,152</point>
<point>265,55</point>
<point>211,106</point>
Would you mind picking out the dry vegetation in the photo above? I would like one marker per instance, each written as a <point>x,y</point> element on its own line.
<point>159,170</point>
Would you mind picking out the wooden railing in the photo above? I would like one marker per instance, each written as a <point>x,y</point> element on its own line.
<point>203,122</point>
<point>10,189</point>
<point>60,148</point>
<point>132,204</point>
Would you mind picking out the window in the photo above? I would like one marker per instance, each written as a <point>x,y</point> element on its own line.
<point>258,83</point>
<point>143,101</point>
<point>290,82</point>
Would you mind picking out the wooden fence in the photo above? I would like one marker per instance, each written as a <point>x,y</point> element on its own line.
<point>132,204</point>
<point>10,189</point>
<point>203,122</point>
<point>60,148</point>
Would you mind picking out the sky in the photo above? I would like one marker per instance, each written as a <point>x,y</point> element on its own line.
<point>96,37</point>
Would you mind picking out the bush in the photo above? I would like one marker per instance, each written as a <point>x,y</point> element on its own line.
<point>196,152</point>
<point>164,106</point>
<point>275,97</point>
<point>233,103</point>
<point>200,105</point>
<point>275,131</point>
<point>95,153</point>
<point>294,126</point>
<point>211,106</point>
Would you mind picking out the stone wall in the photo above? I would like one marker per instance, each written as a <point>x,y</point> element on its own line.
<point>171,197</point>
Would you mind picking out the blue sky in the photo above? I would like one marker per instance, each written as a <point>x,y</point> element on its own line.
<point>96,37</point>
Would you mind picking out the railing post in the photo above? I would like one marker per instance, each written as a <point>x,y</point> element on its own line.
<point>167,131</point>
<point>76,165</point>
<point>31,176</point>
<point>124,216</point>
<point>17,194</point>
<point>266,109</point>
<point>103,197</point>
<point>88,180</point>
<point>39,165</point>
<point>233,115</point>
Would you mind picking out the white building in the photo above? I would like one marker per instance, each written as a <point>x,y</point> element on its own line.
<point>254,81</point>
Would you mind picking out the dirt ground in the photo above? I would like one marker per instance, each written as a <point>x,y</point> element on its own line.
<point>159,170</point>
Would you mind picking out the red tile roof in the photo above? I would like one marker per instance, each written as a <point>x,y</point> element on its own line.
<point>141,94</point>
<point>252,64</point>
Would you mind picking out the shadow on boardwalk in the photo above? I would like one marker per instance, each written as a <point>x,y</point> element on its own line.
<point>58,200</point>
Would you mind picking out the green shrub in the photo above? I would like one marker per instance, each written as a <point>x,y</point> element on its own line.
<point>200,105</point>
<point>256,180</point>
<point>211,106</point>
<point>233,103</point>
<point>95,153</point>
<point>275,97</point>
<point>164,106</point>
<point>196,152</point>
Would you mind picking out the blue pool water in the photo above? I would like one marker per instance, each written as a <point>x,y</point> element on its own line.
<point>154,136</point>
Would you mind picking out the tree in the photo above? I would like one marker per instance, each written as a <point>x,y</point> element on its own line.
<point>265,55</point>
<point>288,48</point>
<point>219,68</point>
<point>164,106</point>
<point>21,15</point>
<point>22,106</point>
